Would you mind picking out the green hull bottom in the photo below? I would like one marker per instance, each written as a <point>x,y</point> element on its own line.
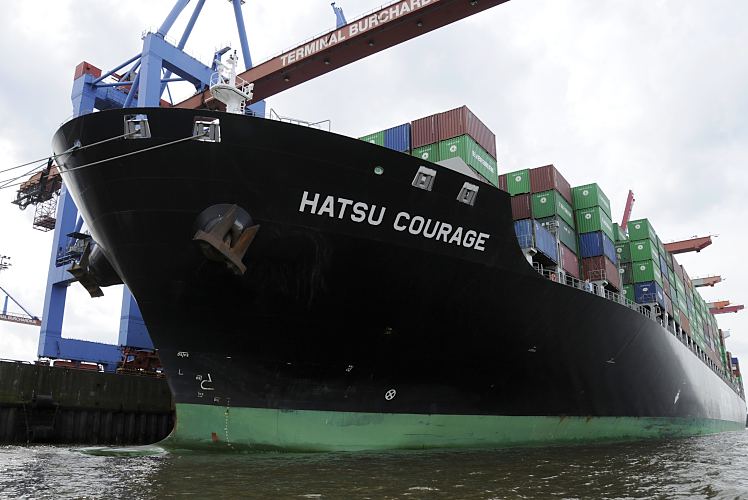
<point>216,427</point>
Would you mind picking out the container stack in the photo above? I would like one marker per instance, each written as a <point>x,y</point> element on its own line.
<point>623,256</point>
<point>647,275</point>
<point>542,195</point>
<point>456,133</point>
<point>596,248</point>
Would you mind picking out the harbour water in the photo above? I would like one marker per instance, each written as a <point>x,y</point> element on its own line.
<point>701,467</point>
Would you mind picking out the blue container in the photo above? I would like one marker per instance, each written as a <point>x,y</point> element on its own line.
<point>398,138</point>
<point>523,230</point>
<point>530,233</point>
<point>663,265</point>
<point>648,292</point>
<point>545,242</point>
<point>597,244</point>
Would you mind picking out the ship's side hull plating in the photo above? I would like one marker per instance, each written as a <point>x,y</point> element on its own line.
<point>372,313</point>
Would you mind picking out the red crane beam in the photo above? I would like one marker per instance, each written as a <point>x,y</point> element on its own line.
<point>707,281</point>
<point>627,211</point>
<point>372,33</point>
<point>690,245</point>
<point>728,309</point>
<point>20,319</point>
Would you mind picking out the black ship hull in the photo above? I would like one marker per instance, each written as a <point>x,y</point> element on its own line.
<point>372,313</point>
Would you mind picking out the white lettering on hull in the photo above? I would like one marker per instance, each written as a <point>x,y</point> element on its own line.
<point>336,208</point>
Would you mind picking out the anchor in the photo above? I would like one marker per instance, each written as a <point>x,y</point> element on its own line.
<point>227,235</point>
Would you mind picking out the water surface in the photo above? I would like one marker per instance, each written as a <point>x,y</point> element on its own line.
<point>703,467</point>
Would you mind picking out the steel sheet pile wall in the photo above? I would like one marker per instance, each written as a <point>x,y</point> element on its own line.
<point>43,404</point>
<point>456,133</point>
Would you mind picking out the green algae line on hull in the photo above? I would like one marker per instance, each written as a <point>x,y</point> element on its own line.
<point>224,428</point>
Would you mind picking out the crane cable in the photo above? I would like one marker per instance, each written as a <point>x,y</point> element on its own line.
<point>79,148</point>
<point>4,183</point>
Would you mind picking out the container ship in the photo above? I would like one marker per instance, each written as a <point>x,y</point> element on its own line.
<point>311,291</point>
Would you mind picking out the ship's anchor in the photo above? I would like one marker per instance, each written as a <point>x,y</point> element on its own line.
<point>225,233</point>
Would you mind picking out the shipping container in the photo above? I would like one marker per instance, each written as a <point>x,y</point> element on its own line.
<point>669,305</point>
<point>423,132</point>
<point>641,229</point>
<point>518,182</point>
<point>649,292</point>
<point>671,277</point>
<point>429,152</point>
<point>471,153</point>
<point>462,121</point>
<point>663,264</point>
<point>530,234</point>
<point>660,246</point>
<point>623,251</point>
<point>594,219</point>
<point>550,203</point>
<point>596,244</point>
<point>566,234</point>
<point>524,231</point>
<point>627,273</point>
<point>644,250</point>
<point>669,259</point>
<point>619,234</point>
<point>600,268</point>
<point>375,138</point>
<point>590,195</point>
<point>547,178</point>
<point>569,261</point>
<point>628,292</point>
<point>398,138</point>
<point>666,286</point>
<point>521,206</point>
<point>502,183</point>
<point>646,270</point>
<point>684,323</point>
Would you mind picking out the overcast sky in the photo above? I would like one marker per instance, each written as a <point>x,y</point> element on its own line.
<point>648,95</point>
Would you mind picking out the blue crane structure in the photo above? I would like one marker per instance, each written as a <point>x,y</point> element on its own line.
<point>142,85</point>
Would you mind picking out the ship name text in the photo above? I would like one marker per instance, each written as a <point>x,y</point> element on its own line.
<point>336,207</point>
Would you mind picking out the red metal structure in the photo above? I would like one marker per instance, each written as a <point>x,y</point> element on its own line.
<point>367,35</point>
<point>627,211</point>
<point>696,244</point>
<point>707,281</point>
<point>723,306</point>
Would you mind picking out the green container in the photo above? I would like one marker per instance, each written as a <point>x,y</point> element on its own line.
<point>641,230</point>
<point>619,233</point>
<point>647,270</point>
<point>518,182</point>
<point>375,138</point>
<point>623,251</point>
<point>590,195</point>
<point>594,219</point>
<point>628,292</point>
<point>550,203</point>
<point>566,234</point>
<point>429,152</point>
<point>669,260</point>
<point>471,153</point>
<point>680,286</point>
<point>661,247</point>
<point>644,250</point>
